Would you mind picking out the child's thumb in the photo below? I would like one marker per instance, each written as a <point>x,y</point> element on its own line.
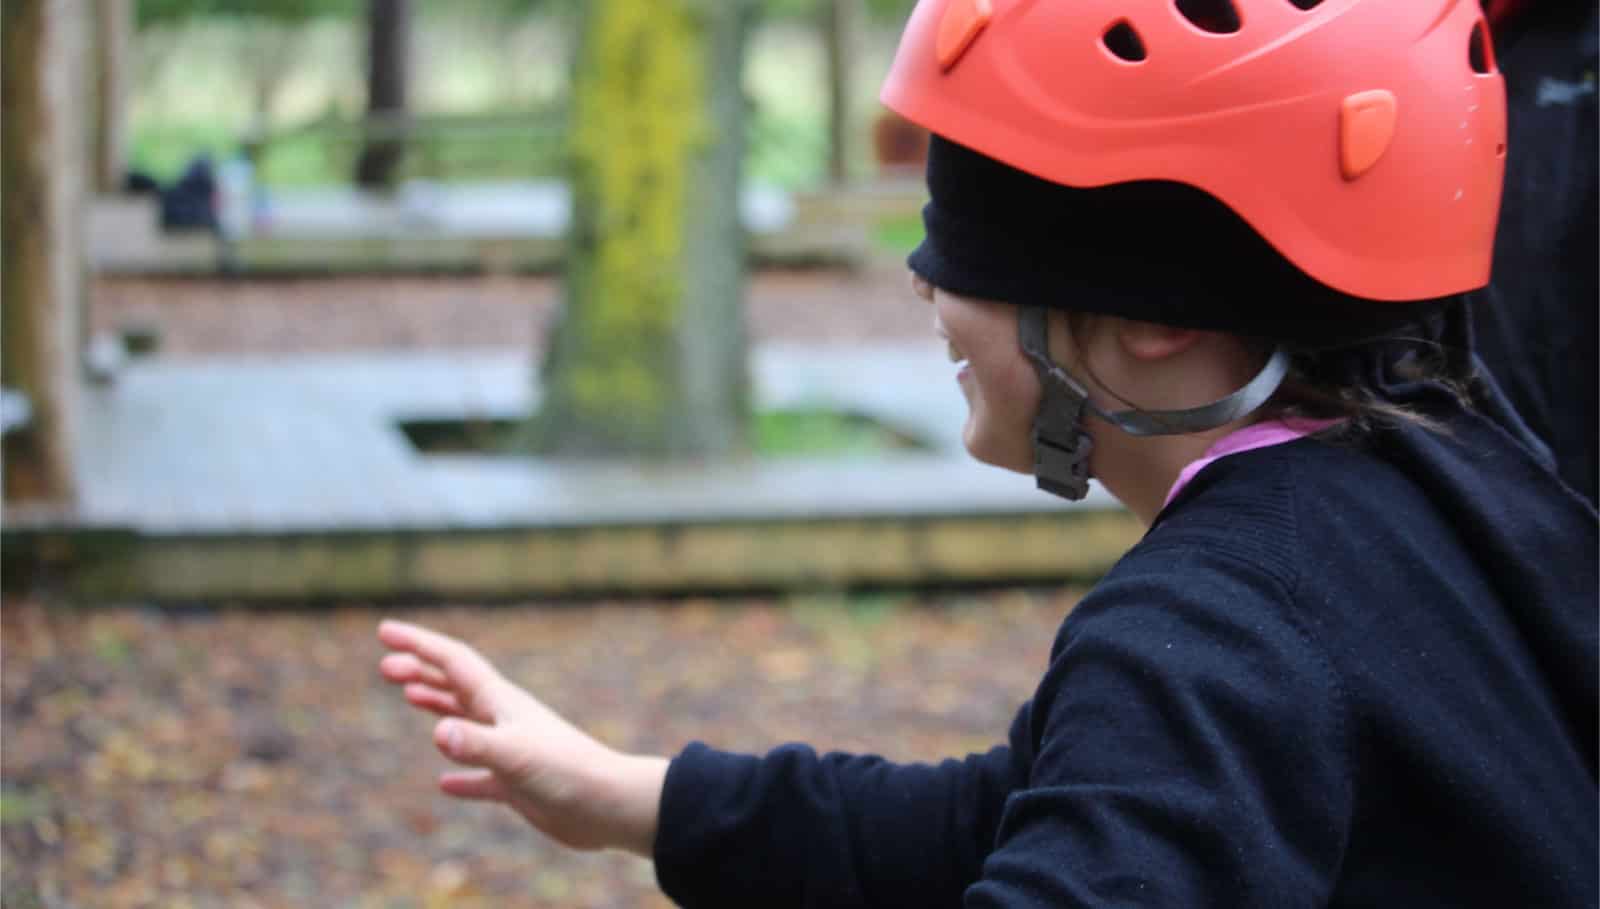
<point>475,744</point>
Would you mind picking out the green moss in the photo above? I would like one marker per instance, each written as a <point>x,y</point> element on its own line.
<point>640,123</point>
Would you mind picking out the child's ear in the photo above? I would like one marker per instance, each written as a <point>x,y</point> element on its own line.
<point>1150,341</point>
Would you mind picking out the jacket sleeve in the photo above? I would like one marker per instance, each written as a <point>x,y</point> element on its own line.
<point>794,828</point>
<point>1191,751</point>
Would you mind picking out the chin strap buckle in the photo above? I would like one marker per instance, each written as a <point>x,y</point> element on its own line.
<point>1061,447</point>
<point>1062,470</point>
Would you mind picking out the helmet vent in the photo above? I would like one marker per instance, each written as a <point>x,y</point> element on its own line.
<point>1220,17</point>
<point>1480,50</point>
<point>1306,4</point>
<point>1122,41</point>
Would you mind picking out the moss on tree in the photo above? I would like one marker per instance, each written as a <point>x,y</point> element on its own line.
<point>642,134</point>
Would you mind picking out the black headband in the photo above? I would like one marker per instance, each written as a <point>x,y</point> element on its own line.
<point>1153,251</point>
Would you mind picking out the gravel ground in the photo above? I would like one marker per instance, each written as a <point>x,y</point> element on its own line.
<point>233,758</point>
<point>301,315</point>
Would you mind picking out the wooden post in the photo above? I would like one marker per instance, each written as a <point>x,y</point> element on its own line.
<point>648,356</point>
<point>42,183</point>
<point>388,66</point>
<point>840,24</point>
<point>113,62</point>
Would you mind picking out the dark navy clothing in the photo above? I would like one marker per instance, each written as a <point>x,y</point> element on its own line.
<point>1331,674</point>
<point>1538,321</point>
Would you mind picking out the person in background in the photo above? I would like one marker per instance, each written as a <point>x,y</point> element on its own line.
<point>1538,321</point>
<point>1213,254</point>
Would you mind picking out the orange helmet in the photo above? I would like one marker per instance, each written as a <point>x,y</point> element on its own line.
<point>1363,139</point>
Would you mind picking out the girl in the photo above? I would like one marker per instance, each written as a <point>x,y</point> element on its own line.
<point>1212,254</point>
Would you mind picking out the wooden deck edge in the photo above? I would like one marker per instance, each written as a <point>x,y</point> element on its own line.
<point>831,227</point>
<point>99,566</point>
<point>840,244</point>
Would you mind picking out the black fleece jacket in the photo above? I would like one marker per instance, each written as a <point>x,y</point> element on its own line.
<point>1330,675</point>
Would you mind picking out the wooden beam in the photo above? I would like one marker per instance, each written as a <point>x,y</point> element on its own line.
<point>42,177</point>
<point>503,563</point>
<point>841,21</point>
<point>113,43</point>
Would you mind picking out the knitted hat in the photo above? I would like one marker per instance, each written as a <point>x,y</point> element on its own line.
<point>1152,251</point>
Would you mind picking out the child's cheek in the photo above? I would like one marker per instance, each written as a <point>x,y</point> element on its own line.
<point>1002,398</point>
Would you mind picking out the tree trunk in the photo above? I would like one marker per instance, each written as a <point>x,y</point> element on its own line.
<point>42,183</point>
<point>648,356</point>
<point>388,65</point>
<point>113,62</point>
<point>840,22</point>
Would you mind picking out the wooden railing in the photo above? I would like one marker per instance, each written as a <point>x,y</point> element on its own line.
<point>436,146</point>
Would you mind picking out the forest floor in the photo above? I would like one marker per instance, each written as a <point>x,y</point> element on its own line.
<point>226,757</point>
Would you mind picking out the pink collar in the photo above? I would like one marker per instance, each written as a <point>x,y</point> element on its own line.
<point>1256,435</point>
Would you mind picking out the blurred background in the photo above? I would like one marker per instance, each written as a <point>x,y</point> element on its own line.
<point>580,330</point>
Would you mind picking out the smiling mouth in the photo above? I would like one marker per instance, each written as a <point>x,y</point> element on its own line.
<point>955,354</point>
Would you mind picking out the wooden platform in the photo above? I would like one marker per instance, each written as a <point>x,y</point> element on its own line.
<point>517,226</point>
<point>290,479</point>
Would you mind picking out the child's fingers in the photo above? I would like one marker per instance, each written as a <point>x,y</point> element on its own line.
<point>477,745</point>
<point>474,784</point>
<point>402,668</point>
<point>440,702</point>
<point>465,667</point>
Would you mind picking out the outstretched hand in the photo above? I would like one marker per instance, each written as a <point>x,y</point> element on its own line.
<point>571,787</point>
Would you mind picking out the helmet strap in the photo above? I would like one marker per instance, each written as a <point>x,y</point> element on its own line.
<point>1061,446</point>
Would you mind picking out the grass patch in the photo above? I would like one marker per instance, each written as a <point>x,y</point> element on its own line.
<point>163,150</point>
<point>19,806</point>
<point>787,151</point>
<point>815,431</point>
<point>898,236</point>
<point>784,151</point>
<point>798,432</point>
<point>456,437</point>
<point>110,647</point>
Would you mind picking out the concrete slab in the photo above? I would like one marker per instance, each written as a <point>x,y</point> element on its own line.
<point>290,478</point>
<point>312,444</point>
<point>493,209</point>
